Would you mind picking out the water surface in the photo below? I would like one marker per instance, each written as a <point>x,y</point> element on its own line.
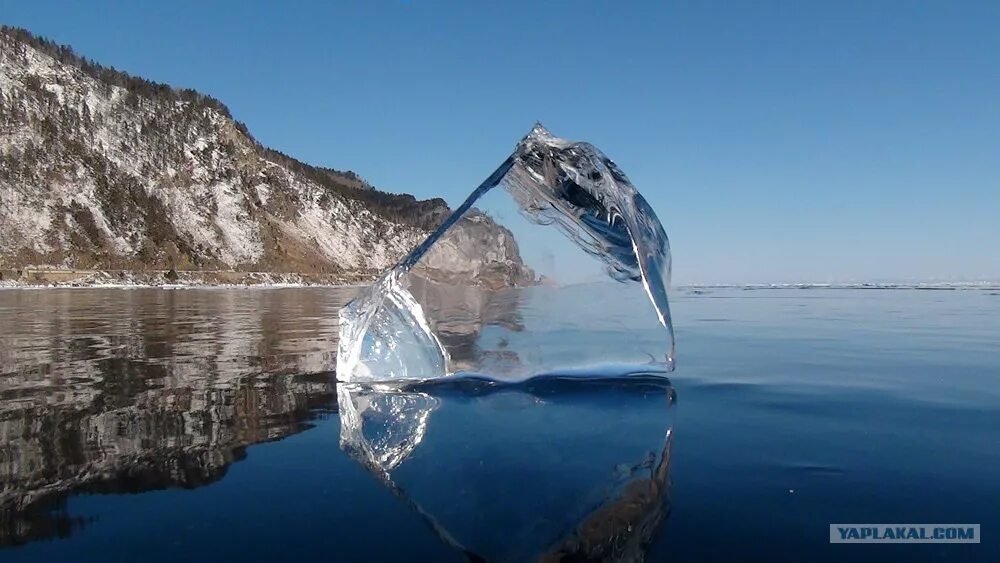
<point>203,424</point>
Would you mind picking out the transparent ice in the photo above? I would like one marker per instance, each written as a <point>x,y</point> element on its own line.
<point>555,265</point>
<point>506,380</point>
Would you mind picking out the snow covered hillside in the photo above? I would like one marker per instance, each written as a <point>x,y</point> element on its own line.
<point>102,170</point>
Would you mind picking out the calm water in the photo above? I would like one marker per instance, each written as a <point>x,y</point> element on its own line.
<point>174,425</point>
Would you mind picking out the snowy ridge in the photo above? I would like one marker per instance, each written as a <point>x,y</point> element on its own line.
<point>97,175</point>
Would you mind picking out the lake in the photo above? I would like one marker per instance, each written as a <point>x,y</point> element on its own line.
<point>206,424</point>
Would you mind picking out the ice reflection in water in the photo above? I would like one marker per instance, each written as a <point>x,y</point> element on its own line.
<point>381,427</point>
<point>591,458</point>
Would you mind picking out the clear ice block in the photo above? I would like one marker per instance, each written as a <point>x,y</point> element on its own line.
<point>555,265</point>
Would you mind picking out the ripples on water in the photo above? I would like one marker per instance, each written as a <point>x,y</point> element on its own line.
<point>798,408</point>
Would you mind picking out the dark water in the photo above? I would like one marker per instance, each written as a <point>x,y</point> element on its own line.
<point>203,425</point>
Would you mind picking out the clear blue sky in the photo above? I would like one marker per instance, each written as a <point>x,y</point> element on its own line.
<point>777,141</point>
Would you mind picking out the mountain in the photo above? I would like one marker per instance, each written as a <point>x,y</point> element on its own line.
<point>103,170</point>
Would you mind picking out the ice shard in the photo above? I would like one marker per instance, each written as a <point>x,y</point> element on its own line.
<point>555,265</point>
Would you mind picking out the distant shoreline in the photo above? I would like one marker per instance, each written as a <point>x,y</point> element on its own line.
<point>55,278</point>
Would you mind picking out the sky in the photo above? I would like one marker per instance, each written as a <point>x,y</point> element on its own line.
<point>777,141</point>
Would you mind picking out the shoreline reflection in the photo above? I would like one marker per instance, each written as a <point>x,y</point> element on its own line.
<point>123,391</point>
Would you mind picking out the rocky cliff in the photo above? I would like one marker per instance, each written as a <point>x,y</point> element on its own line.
<point>103,170</point>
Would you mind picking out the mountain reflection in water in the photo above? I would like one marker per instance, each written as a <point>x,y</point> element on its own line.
<point>129,391</point>
<point>134,390</point>
<point>807,406</point>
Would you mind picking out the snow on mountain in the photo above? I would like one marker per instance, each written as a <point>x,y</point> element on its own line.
<point>102,170</point>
